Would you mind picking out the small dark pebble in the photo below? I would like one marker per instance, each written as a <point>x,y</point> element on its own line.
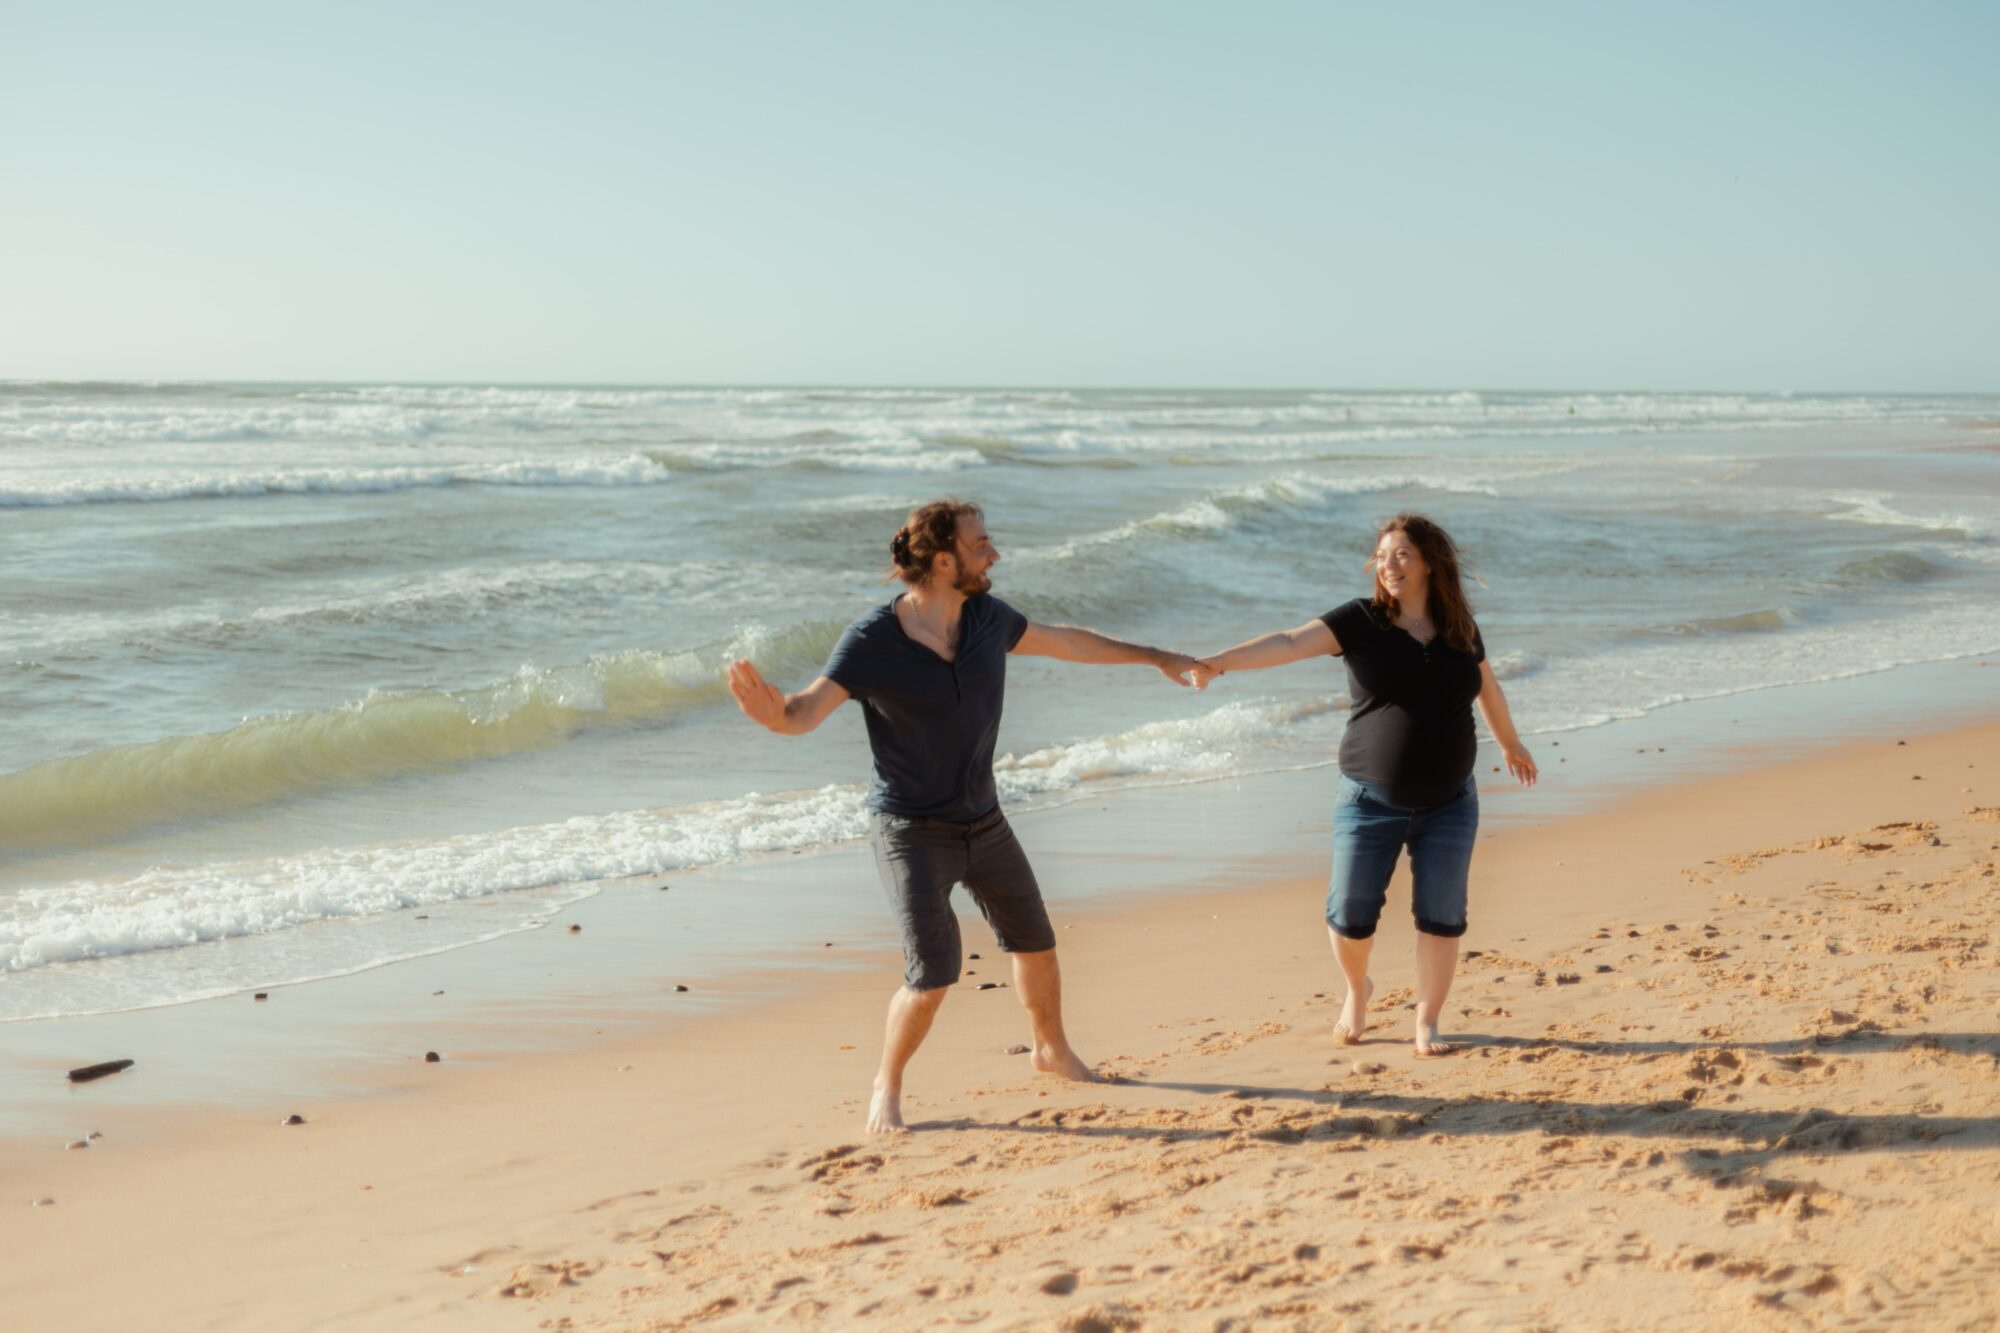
<point>992,985</point>
<point>95,1134</point>
<point>664,887</point>
<point>1062,1284</point>
<point>293,1120</point>
<point>1604,967</point>
<point>575,929</point>
<point>827,945</point>
<point>1015,1050</point>
<point>80,1143</point>
<point>1916,777</point>
<point>1670,926</point>
<point>973,956</point>
<point>680,990</point>
<point>423,916</point>
<point>437,992</point>
<point>261,995</point>
<point>1902,742</point>
<point>1469,953</point>
<point>432,1057</point>
<point>1567,978</point>
<point>1496,768</point>
<point>89,1072</point>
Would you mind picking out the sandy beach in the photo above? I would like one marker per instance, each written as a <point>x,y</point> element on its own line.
<point>1730,1057</point>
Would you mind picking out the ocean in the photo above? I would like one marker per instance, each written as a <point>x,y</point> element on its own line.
<point>299,679</point>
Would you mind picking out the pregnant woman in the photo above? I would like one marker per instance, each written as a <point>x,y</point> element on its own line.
<point>1415,665</point>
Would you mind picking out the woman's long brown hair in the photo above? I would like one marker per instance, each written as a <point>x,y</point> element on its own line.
<point>1448,606</point>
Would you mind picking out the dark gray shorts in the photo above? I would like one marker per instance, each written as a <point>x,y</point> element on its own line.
<point>922,859</point>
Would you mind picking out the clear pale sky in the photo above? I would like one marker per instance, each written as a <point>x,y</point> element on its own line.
<point>1757,196</point>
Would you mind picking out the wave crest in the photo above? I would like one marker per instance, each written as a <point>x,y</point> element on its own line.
<point>113,792</point>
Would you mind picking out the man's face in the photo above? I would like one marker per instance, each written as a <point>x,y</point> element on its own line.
<point>975,554</point>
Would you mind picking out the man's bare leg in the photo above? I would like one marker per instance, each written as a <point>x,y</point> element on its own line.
<point>1437,959</point>
<point>1039,982</point>
<point>1352,956</point>
<point>910,1015</point>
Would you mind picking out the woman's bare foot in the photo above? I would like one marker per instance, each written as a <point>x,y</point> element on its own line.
<point>885,1112</point>
<point>1063,1063</point>
<point>1429,1043</point>
<point>1354,1015</point>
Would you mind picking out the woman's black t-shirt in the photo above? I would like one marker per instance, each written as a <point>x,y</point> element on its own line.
<point>1411,728</point>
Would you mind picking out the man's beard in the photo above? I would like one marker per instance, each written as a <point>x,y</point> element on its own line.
<point>970,584</point>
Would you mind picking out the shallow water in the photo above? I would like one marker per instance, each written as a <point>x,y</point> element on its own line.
<point>298,664</point>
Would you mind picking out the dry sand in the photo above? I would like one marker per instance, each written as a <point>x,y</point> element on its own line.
<point>1732,1059</point>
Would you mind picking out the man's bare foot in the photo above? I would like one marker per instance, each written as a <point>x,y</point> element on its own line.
<point>1063,1063</point>
<point>1429,1043</point>
<point>1354,1016</point>
<point>885,1113</point>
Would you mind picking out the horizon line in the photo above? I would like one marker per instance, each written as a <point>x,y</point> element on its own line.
<point>963,387</point>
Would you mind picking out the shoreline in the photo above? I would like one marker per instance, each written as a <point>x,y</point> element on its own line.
<point>504,1161</point>
<point>334,1044</point>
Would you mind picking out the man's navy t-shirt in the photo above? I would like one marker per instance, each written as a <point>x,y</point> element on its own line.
<point>932,724</point>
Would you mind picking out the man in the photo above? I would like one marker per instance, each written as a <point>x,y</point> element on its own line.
<point>930,670</point>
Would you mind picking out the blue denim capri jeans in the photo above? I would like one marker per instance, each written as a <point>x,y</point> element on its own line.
<point>1369,833</point>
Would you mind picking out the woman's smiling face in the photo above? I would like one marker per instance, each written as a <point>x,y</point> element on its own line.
<point>1400,567</point>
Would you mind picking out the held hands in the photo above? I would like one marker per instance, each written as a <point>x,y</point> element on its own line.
<point>1520,763</point>
<point>1184,670</point>
<point>757,697</point>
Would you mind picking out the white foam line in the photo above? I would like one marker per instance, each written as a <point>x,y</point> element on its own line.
<point>630,471</point>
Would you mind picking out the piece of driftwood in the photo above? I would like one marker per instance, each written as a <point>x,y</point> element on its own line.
<point>89,1072</point>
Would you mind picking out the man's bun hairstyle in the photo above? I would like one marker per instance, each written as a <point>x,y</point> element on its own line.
<point>927,533</point>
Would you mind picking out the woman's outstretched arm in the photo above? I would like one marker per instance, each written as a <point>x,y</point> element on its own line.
<point>1493,707</point>
<point>1312,639</point>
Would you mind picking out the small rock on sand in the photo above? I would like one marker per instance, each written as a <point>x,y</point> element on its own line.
<point>43,1203</point>
<point>1015,1050</point>
<point>293,1120</point>
<point>432,1057</point>
<point>680,990</point>
<point>80,1143</point>
<point>992,985</point>
<point>575,929</point>
<point>261,995</point>
<point>1367,1068</point>
<point>1062,1284</point>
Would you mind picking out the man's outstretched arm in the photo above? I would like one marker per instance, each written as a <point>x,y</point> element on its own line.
<point>786,714</point>
<point>1070,643</point>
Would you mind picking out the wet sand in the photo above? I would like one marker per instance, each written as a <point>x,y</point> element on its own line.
<point>1730,1055</point>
